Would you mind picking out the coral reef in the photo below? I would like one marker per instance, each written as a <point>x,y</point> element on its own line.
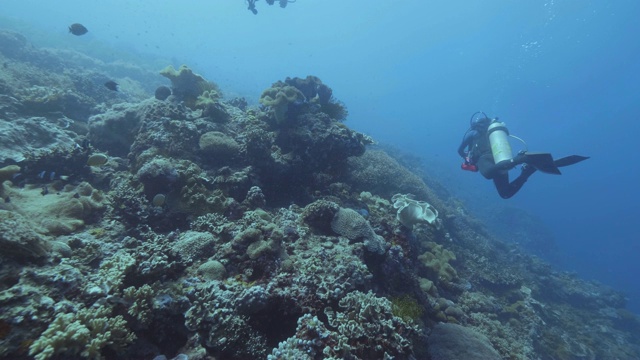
<point>186,85</point>
<point>57,213</point>
<point>451,341</point>
<point>349,223</point>
<point>186,225</point>
<point>278,97</point>
<point>19,239</point>
<point>411,212</point>
<point>85,332</point>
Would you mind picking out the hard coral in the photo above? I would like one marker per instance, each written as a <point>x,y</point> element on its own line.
<point>219,147</point>
<point>18,240</point>
<point>83,333</point>
<point>390,337</point>
<point>349,223</point>
<point>455,342</point>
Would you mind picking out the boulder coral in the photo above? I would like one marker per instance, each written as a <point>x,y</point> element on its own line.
<point>349,223</point>
<point>219,147</point>
<point>18,240</point>
<point>455,342</point>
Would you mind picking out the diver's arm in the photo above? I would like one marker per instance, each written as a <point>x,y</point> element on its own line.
<point>466,142</point>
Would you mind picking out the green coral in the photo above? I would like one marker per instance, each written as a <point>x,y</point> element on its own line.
<point>436,260</point>
<point>218,146</point>
<point>113,270</point>
<point>141,300</point>
<point>188,86</point>
<point>278,97</point>
<point>406,308</point>
<point>208,98</point>
<point>84,333</point>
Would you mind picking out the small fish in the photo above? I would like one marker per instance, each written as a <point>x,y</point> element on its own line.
<point>7,199</point>
<point>45,191</point>
<point>111,85</point>
<point>78,29</point>
<point>42,177</point>
<point>49,175</point>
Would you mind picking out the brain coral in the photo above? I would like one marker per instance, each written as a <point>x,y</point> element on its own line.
<point>349,223</point>
<point>219,145</point>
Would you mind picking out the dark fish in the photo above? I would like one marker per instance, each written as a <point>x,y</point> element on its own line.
<point>21,179</point>
<point>45,191</point>
<point>78,29</point>
<point>44,175</point>
<point>111,85</point>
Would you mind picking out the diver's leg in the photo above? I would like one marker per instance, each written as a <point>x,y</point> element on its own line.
<point>506,189</point>
<point>501,182</point>
<point>487,167</point>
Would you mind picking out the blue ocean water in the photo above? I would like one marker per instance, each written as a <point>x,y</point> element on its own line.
<point>563,75</point>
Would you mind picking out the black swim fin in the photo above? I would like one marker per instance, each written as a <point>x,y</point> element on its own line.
<point>543,162</point>
<point>569,160</point>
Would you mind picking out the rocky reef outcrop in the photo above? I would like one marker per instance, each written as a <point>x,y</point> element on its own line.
<point>211,228</point>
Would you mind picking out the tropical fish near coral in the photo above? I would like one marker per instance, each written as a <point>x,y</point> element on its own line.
<point>78,29</point>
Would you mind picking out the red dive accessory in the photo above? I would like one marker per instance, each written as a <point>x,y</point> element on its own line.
<point>468,165</point>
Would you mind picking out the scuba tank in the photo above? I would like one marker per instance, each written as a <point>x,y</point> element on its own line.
<point>499,140</point>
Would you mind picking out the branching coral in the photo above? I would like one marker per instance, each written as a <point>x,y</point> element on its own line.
<point>84,333</point>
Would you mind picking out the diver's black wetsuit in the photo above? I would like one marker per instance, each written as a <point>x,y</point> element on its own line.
<point>476,142</point>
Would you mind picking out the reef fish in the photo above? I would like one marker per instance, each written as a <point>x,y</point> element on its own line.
<point>78,29</point>
<point>111,85</point>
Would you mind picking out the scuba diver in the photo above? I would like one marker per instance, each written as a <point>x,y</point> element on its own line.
<point>485,147</point>
<point>251,4</point>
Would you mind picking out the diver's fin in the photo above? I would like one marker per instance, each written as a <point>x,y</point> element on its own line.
<point>543,162</point>
<point>569,160</point>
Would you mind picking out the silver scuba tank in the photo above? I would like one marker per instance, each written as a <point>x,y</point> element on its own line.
<point>499,140</point>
